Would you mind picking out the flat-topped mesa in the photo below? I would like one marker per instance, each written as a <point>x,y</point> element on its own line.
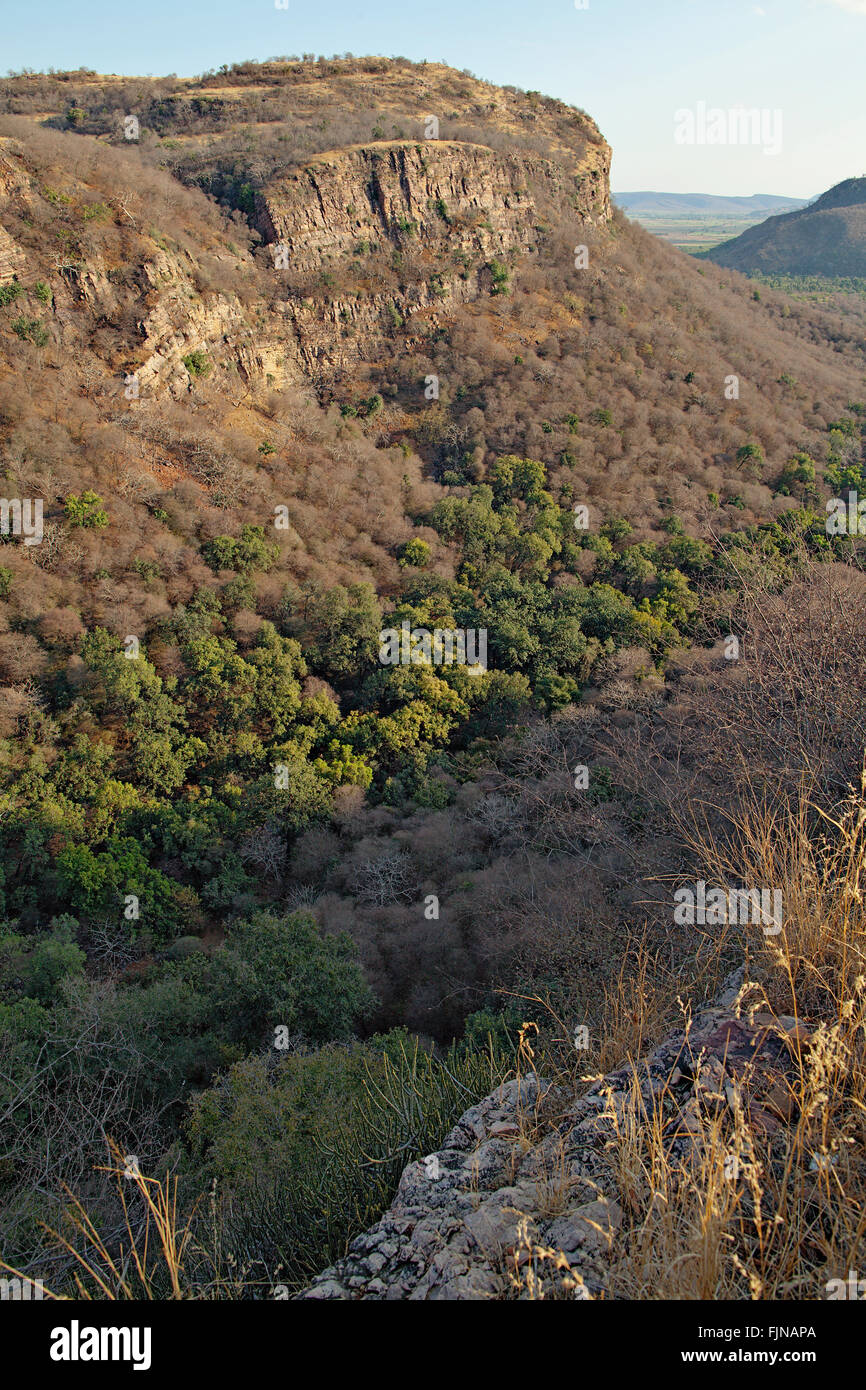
<point>480,199</point>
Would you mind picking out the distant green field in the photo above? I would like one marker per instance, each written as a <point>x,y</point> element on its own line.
<point>696,233</point>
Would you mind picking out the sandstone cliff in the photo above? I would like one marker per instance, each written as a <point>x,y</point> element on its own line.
<point>148,289</point>
<point>442,212</point>
<point>12,181</point>
<point>452,207</point>
<point>373,192</point>
<point>381,238</point>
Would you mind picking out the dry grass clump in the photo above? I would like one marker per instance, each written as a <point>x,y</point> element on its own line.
<point>151,1255</point>
<point>537,1272</point>
<point>766,1212</point>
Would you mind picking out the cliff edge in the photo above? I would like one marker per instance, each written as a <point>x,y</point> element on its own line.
<point>524,1199</point>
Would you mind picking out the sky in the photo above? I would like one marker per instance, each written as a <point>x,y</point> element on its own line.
<point>652,73</point>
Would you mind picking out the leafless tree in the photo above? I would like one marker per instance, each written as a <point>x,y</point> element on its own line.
<point>386,879</point>
<point>266,848</point>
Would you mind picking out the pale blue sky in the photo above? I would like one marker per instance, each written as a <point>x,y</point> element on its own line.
<point>630,63</point>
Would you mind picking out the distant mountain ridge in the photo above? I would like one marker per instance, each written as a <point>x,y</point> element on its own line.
<point>647,203</point>
<point>828,237</point>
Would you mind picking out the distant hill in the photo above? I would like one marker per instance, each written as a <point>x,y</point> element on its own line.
<point>828,237</point>
<point>694,204</point>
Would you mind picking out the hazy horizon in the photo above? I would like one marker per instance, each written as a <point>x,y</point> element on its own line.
<point>633,68</point>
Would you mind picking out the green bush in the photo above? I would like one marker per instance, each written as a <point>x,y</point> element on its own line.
<point>308,1148</point>
<point>415,553</point>
<point>87,510</point>
<point>499,274</point>
<point>35,966</point>
<point>250,551</point>
<point>799,469</point>
<point>197,363</point>
<point>751,458</point>
<point>98,885</point>
<point>32,330</point>
<point>95,212</point>
<point>280,971</point>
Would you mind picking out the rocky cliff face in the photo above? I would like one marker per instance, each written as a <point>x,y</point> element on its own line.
<point>378,238</point>
<point>146,290</point>
<point>11,259</point>
<point>441,212</point>
<point>12,181</point>
<point>451,207</point>
<point>529,1169</point>
<point>176,320</point>
<point>173,320</point>
<point>373,193</point>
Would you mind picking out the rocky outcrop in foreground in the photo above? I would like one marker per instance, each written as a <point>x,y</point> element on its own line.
<point>467,1221</point>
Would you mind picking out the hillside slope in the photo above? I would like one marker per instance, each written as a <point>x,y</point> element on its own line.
<point>826,238</point>
<point>286,370</point>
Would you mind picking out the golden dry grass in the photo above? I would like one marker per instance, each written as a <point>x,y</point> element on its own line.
<point>747,1215</point>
